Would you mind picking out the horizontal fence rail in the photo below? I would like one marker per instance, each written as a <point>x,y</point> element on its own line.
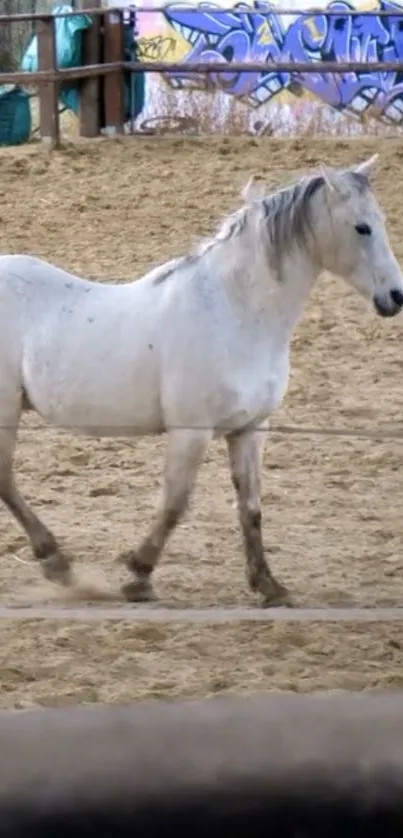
<point>73,73</point>
<point>332,67</point>
<point>280,11</point>
<point>392,13</point>
<point>275,429</point>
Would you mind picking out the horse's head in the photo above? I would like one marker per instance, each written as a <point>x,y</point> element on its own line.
<point>351,237</point>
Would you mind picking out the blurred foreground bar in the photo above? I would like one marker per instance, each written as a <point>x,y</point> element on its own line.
<point>283,766</point>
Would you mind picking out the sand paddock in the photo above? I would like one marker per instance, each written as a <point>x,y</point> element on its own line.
<point>332,505</point>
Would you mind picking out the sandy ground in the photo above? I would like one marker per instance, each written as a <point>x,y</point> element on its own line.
<point>54,664</point>
<point>332,506</point>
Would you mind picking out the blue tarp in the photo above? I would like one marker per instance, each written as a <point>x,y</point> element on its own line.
<point>134,82</point>
<point>68,41</point>
<point>15,115</point>
<point>68,31</point>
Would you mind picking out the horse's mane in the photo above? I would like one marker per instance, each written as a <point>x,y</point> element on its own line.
<point>288,211</point>
<point>230,228</point>
<point>284,215</point>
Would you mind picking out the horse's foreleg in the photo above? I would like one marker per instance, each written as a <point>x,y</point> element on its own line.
<point>184,456</point>
<point>54,564</point>
<point>245,452</point>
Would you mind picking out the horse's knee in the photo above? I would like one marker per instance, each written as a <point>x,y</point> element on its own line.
<point>254,518</point>
<point>251,516</point>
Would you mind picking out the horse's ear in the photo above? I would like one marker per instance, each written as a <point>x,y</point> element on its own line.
<point>329,178</point>
<point>252,191</point>
<point>367,167</point>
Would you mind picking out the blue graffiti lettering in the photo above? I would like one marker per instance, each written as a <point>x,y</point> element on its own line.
<point>239,35</point>
<point>256,33</point>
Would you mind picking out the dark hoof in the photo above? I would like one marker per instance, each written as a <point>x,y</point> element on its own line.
<point>278,600</point>
<point>131,560</point>
<point>139,591</point>
<point>275,595</point>
<point>57,568</point>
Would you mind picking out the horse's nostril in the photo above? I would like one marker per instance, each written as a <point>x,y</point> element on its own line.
<point>397,298</point>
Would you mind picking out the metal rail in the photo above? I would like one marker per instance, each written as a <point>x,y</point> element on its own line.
<point>18,18</point>
<point>221,68</point>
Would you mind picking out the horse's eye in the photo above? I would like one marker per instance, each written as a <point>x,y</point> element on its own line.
<point>363,229</point>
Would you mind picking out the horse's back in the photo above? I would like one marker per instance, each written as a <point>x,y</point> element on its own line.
<point>31,275</point>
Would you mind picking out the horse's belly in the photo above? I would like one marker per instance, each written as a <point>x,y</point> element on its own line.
<point>107,423</point>
<point>112,402</point>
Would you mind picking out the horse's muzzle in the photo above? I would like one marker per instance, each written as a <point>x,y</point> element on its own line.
<point>390,304</point>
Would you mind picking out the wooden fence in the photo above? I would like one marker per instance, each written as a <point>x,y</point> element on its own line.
<point>104,80</point>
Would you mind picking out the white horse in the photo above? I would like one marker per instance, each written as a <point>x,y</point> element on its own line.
<point>197,348</point>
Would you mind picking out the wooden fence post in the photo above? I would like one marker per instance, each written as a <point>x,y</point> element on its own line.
<point>48,91</point>
<point>90,88</point>
<point>114,82</point>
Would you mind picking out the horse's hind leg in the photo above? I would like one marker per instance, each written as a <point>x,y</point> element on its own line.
<point>184,456</point>
<point>55,566</point>
<point>245,451</point>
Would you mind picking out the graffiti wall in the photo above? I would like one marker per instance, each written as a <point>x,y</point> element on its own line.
<point>258,31</point>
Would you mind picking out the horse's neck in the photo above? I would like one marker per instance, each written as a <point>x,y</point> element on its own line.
<point>292,292</point>
<point>275,301</point>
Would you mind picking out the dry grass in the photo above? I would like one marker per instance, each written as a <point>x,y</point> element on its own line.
<point>69,123</point>
<point>207,112</point>
<point>198,112</point>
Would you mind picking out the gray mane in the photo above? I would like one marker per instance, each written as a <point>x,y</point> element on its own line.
<point>231,227</point>
<point>286,216</point>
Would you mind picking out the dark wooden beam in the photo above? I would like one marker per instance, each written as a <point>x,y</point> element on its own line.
<point>48,90</point>
<point>90,89</point>
<point>114,82</point>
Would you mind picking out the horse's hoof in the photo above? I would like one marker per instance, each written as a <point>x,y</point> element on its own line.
<point>139,591</point>
<point>277,596</point>
<point>57,568</point>
<point>278,601</point>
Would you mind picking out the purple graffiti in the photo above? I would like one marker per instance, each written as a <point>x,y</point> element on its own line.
<point>227,36</point>
<point>256,33</point>
<point>362,38</point>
